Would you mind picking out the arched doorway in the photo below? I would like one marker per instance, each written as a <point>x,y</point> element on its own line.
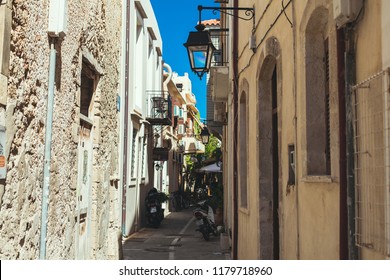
<point>268,92</point>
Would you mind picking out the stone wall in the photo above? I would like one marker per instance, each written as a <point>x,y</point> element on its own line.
<point>94,27</point>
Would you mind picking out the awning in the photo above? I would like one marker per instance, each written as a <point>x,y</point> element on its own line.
<point>215,167</point>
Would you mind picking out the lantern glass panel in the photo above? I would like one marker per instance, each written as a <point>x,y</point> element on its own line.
<point>200,59</point>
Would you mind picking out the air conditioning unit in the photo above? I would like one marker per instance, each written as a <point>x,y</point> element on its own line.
<point>345,11</point>
<point>58,18</point>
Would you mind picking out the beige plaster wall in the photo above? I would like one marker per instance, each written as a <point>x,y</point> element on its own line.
<point>318,196</point>
<point>309,208</point>
<point>385,27</point>
<point>369,42</point>
<point>283,35</point>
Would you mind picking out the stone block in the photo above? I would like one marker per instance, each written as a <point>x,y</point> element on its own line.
<point>97,131</point>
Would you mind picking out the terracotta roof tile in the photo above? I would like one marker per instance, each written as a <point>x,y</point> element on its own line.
<point>210,22</point>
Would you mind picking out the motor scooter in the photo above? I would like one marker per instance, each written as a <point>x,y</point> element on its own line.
<point>154,210</point>
<point>205,221</point>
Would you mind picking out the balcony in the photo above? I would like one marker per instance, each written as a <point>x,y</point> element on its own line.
<point>191,145</point>
<point>160,108</point>
<point>160,154</point>
<point>161,149</point>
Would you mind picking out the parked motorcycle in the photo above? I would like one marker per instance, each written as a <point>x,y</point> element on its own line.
<point>205,221</point>
<point>154,210</point>
<point>179,201</point>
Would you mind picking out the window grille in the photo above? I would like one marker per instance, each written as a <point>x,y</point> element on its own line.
<point>372,162</point>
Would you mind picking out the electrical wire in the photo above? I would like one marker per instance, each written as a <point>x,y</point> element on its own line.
<point>263,38</point>
<point>256,27</point>
<point>284,11</point>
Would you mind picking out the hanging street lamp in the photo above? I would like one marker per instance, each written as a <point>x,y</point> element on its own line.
<point>205,135</point>
<point>199,45</point>
<point>200,50</point>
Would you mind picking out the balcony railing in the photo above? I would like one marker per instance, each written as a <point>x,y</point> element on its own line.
<point>160,108</point>
<point>219,39</point>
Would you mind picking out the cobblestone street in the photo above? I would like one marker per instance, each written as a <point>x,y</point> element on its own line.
<point>175,239</point>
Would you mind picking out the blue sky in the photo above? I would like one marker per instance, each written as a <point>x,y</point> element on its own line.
<point>176,18</point>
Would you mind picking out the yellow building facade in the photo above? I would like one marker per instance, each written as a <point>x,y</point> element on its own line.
<point>306,154</point>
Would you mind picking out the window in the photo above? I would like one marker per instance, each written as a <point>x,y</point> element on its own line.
<point>327,106</point>
<point>88,85</point>
<point>141,49</point>
<point>317,96</point>
<point>242,153</point>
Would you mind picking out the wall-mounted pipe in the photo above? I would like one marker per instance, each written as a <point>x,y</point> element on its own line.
<point>294,27</point>
<point>57,27</point>
<point>235,134</point>
<point>350,79</point>
<point>168,79</point>
<point>47,156</point>
<point>126,126</point>
<point>343,221</point>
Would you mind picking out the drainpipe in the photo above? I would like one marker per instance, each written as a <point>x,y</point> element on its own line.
<point>168,168</point>
<point>235,132</point>
<point>350,79</point>
<point>57,27</point>
<point>47,156</point>
<point>298,255</point>
<point>343,222</point>
<point>125,118</point>
<point>169,69</point>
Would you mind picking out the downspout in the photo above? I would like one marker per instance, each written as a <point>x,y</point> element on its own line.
<point>126,119</point>
<point>298,255</point>
<point>343,222</point>
<point>47,155</point>
<point>169,166</point>
<point>350,79</point>
<point>235,132</point>
<point>164,172</point>
<point>169,78</point>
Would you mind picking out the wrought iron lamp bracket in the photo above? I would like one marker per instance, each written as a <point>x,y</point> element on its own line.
<point>249,13</point>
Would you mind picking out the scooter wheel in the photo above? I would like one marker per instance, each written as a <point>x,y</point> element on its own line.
<point>206,236</point>
<point>154,223</point>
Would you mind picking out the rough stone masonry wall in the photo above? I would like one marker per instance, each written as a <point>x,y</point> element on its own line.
<point>94,26</point>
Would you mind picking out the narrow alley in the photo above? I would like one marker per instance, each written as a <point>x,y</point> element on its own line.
<point>175,239</point>
<point>274,112</point>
